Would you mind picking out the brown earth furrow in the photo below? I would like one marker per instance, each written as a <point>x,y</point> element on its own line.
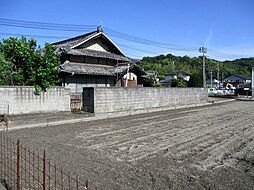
<point>134,129</point>
<point>209,147</point>
<point>169,144</point>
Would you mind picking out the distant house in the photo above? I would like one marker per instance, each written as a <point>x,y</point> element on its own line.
<point>213,83</point>
<point>151,79</point>
<point>178,74</point>
<point>151,75</point>
<point>175,75</point>
<point>93,60</point>
<point>236,80</point>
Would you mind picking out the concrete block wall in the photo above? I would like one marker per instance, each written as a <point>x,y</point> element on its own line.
<point>22,100</point>
<point>110,100</point>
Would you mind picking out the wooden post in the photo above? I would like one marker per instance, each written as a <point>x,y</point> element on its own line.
<point>18,166</point>
<point>44,171</point>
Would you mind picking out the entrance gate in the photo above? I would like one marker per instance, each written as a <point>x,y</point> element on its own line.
<point>88,99</point>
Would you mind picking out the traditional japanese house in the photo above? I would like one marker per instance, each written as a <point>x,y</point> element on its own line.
<point>93,60</point>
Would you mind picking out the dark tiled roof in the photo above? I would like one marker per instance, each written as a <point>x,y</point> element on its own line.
<point>73,43</point>
<point>244,77</point>
<point>240,76</point>
<point>76,40</point>
<point>92,69</point>
<point>94,53</point>
<point>96,69</point>
<point>121,69</point>
<point>88,69</point>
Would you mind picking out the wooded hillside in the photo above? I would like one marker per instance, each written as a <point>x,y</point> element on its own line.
<point>164,64</point>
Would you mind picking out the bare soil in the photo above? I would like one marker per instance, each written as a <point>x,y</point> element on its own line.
<point>209,147</point>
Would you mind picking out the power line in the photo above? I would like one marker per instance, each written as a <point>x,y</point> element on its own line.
<point>136,56</point>
<point>62,37</point>
<point>29,35</point>
<point>110,32</point>
<point>45,26</point>
<point>136,49</point>
<point>120,44</point>
<point>154,45</point>
<point>76,26</point>
<point>146,41</point>
<point>73,27</point>
<point>163,45</point>
<point>226,54</point>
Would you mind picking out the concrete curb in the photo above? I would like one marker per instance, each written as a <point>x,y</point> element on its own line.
<point>112,115</point>
<point>54,123</point>
<point>244,99</point>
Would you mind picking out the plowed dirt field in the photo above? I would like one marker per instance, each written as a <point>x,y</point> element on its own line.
<point>209,147</point>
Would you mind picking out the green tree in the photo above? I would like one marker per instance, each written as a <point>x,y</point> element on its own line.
<point>30,64</point>
<point>20,53</point>
<point>46,69</point>
<point>179,82</point>
<point>196,80</point>
<point>164,64</point>
<point>7,75</point>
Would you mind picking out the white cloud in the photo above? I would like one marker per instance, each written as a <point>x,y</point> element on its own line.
<point>209,37</point>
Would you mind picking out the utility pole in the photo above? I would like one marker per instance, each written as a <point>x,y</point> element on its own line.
<point>218,74</point>
<point>222,77</point>
<point>252,83</point>
<point>173,65</point>
<point>203,50</point>
<point>211,77</point>
<point>218,71</point>
<point>127,75</point>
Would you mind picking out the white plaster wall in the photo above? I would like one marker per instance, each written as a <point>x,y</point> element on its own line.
<point>95,44</point>
<point>96,47</point>
<point>130,76</point>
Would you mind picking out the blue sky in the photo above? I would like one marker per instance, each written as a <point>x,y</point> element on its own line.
<point>225,27</point>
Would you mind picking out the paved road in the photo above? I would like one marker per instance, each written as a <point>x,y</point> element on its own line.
<point>210,147</point>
